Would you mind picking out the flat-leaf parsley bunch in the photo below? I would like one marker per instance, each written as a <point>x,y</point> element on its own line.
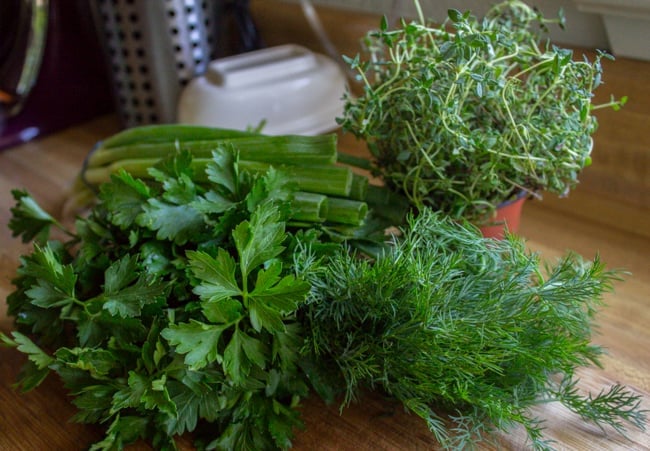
<point>169,309</point>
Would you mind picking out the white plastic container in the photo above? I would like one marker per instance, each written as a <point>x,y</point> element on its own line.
<point>293,89</point>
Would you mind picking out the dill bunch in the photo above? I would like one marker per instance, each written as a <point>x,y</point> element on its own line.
<point>467,333</point>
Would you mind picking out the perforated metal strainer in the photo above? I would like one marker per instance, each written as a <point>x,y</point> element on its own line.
<point>154,48</point>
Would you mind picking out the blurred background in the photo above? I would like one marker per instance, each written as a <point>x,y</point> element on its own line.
<point>64,61</point>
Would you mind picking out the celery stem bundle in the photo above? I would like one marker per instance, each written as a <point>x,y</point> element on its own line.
<point>327,191</point>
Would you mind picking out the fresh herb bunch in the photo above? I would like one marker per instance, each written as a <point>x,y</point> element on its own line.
<point>467,335</point>
<point>463,116</point>
<point>170,309</point>
<point>202,300</point>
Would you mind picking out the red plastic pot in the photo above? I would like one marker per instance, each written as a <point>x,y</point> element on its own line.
<point>507,217</point>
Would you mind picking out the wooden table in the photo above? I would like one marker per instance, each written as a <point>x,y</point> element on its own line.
<point>39,420</point>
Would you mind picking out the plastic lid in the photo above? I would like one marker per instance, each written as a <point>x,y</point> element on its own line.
<point>291,89</point>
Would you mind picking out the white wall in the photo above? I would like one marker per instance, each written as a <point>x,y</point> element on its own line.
<point>621,27</point>
<point>583,29</point>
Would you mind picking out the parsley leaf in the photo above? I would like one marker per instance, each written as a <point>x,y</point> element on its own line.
<point>35,354</point>
<point>271,187</point>
<point>193,405</point>
<point>198,341</point>
<point>98,362</point>
<point>217,275</point>
<point>29,220</point>
<point>223,170</point>
<point>120,274</point>
<point>38,366</point>
<point>273,297</point>
<point>241,353</point>
<point>172,215</point>
<point>212,203</point>
<point>45,264</point>
<point>259,239</point>
<point>177,223</point>
<point>145,391</point>
<point>129,301</point>
<point>123,430</point>
<point>94,403</point>
<point>124,197</point>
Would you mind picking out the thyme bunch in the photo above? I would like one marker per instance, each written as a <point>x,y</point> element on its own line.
<point>462,116</point>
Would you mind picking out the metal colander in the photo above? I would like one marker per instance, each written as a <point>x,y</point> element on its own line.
<point>154,48</point>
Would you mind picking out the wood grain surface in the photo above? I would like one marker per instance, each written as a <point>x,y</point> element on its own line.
<point>39,420</point>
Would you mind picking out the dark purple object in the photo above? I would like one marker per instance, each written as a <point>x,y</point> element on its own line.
<point>72,84</point>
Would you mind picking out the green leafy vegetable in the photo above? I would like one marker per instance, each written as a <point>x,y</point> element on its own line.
<point>464,115</point>
<point>172,306</point>
<point>460,328</point>
<point>28,219</point>
<point>201,300</point>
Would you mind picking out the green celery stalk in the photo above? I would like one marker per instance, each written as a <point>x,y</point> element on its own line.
<point>324,179</point>
<point>346,211</point>
<point>309,207</point>
<point>292,149</point>
<point>359,189</point>
<point>171,133</point>
<point>353,160</point>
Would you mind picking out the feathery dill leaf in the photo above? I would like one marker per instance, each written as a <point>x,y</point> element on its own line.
<point>458,327</point>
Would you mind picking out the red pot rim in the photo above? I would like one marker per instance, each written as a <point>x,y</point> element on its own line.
<point>517,198</point>
<point>507,217</point>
